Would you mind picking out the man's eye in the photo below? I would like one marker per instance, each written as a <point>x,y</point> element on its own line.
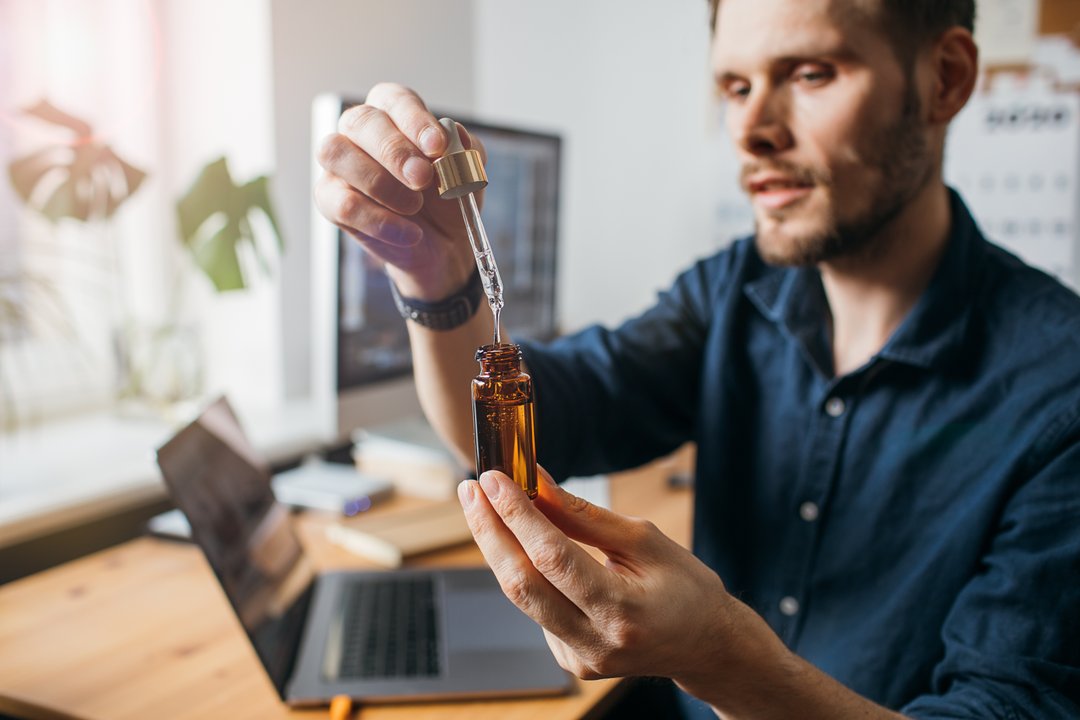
<point>735,90</point>
<point>813,75</point>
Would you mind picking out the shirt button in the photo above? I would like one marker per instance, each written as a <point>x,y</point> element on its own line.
<point>835,407</point>
<point>789,606</point>
<point>808,511</point>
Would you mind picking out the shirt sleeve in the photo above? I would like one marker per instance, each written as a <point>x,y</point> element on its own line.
<point>612,399</point>
<point>1012,639</point>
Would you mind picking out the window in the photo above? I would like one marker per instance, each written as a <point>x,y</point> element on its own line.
<point>163,85</point>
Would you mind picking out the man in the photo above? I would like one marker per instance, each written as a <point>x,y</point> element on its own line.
<point>886,406</point>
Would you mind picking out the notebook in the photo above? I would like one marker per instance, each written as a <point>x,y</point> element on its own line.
<point>373,635</point>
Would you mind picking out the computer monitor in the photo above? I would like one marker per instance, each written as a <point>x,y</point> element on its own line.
<point>362,365</point>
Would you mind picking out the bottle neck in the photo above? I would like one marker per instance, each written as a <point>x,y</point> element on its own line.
<point>499,360</point>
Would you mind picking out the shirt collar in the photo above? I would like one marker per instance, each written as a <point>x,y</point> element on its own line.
<point>931,334</point>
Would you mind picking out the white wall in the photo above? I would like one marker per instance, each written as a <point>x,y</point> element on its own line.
<point>346,46</point>
<point>648,175</point>
<point>216,99</point>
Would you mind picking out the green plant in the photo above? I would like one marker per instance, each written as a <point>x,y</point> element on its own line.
<point>77,177</point>
<point>214,223</point>
<point>82,178</point>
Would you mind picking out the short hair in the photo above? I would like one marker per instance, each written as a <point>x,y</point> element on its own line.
<point>911,23</point>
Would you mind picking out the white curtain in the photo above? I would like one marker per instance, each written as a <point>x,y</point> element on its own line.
<point>168,85</point>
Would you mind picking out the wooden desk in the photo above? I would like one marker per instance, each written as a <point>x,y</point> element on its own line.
<point>142,630</point>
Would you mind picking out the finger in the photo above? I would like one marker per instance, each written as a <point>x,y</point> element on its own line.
<point>372,130</point>
<point>411,115</point>
<point>564,563</point>
<point>618,536</point>
<point>347,208</point>
<point>341,157</point>
<point>519,580</point>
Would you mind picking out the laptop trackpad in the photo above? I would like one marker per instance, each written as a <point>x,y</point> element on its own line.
<point>480,617</point>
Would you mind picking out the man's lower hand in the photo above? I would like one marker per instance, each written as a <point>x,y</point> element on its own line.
<point>651,609</point>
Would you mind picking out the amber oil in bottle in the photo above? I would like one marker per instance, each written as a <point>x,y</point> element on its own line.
<point>503,415</point>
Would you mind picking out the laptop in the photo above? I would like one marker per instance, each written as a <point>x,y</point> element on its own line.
<point>373,635</point>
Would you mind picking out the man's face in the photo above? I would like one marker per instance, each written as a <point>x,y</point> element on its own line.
<point>825,121</point>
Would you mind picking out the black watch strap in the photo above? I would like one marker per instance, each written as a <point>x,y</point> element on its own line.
<point>445,314</point>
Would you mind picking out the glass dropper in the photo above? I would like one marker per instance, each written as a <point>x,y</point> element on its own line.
<point>485,258</point>
<point>460,174</point>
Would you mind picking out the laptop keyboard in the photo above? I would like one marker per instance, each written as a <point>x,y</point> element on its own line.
<point>390,629</point>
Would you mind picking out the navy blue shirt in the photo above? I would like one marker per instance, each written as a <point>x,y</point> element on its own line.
<point>912,528</point>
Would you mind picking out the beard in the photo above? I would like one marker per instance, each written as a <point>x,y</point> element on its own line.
<point>900,158</point>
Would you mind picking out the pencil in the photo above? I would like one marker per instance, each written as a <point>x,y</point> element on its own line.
<point>340,707</point>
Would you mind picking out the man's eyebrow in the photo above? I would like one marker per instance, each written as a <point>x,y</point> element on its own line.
<point>835,51</point>
<point>723,78</point>
<point>840,52</point>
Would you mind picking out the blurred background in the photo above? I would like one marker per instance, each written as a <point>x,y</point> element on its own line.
<point>156,229</point>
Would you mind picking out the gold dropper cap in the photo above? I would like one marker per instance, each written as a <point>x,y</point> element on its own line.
<point>459,171</point>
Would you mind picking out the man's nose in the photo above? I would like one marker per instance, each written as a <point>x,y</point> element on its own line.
<point>760,124</point>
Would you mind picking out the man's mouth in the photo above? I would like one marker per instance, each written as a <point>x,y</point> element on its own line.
<point>774,192</point>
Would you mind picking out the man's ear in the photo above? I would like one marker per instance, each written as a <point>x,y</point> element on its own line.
<point>956,70</point>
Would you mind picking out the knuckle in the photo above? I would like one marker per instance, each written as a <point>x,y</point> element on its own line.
<point>380,91</point>
<point>568,662</point>
<point>552,561</point>
<point>581,669</point>
<point>392,152</point>
<point>509,510</point>
<point>357,117</point>
<point>578,504</point>
<point>375,181</point>
<point>623,635</point>
<point>480,525</point>
<point>349,209</point>
<point>394,100</point>
<point>642,530</point>
<point>583,507</point>
<point>603,667</point>
<point>596,663</point>
<point>331,151</point>
<point>595,596</point>
<point>515,584</point>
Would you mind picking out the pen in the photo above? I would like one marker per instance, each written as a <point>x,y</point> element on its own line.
<point>340,707</point>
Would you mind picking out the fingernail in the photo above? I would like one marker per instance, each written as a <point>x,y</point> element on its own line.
<point>490,484</point>
<point>431,140</point>
<point>465,492</point>
<point>417,172</point>
<point>405,236</point>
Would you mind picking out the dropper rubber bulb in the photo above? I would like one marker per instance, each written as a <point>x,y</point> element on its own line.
<point>458,172</point>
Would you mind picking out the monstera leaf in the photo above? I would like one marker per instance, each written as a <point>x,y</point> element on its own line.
<point>214,223</point>
<point>81,178</point>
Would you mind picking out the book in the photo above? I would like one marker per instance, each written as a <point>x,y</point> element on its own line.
<point>389,539</point>
<point>411,456</point>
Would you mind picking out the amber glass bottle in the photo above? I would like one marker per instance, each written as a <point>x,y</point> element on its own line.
<point>503,416</point>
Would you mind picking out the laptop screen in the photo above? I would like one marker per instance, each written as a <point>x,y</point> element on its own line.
<point>218,481</point>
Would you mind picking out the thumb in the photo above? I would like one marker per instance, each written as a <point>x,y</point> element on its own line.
<point>618,536</point>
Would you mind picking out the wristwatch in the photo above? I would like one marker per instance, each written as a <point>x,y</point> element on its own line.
<point>446,314</point>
